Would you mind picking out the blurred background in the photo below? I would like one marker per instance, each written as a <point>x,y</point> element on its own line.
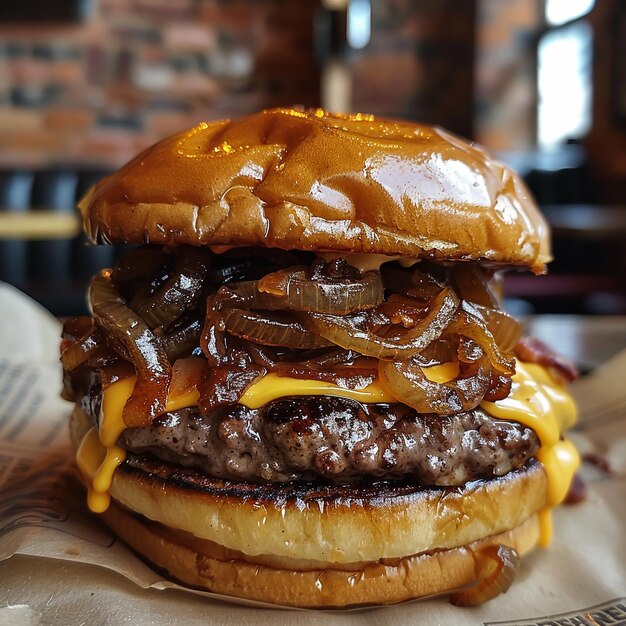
<point>86,84</point>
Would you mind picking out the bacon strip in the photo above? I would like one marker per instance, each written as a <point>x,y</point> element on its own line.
<point>533,350</point>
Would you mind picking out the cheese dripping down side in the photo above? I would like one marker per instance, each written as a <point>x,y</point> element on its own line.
<point>98,455</point>
<point>539,402</point>
<point>536,400</point>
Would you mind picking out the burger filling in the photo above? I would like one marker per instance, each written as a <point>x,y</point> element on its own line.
<point>264,365</point>
<point>331,438</point>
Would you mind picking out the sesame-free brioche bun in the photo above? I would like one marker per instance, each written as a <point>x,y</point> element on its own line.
<point>208,566</point>
<point>332,523</point>
<point>307,545</point>
<point>311,180</point>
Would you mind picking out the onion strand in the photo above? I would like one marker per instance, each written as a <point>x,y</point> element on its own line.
<point>80,350</point>
<point>406,380</point>
<point>292,290</point>
<point>345,332</point>
<point>270,330</point>
<point>497,565</point>
<point>152,367</point>
<point>180,293</point>
<point>469,323</point>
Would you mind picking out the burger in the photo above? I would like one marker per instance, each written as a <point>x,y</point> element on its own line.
<point>297,384</point>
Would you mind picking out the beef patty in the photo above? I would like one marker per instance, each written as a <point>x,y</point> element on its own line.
<point>338,440</point>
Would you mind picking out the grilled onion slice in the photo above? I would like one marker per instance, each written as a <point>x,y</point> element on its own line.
<point>349,331</point>
<point>472,284</point>
<point>270,331</point>
<point>132,337</point>
<point>180,293</point>
<point>406,380</point>
<point>80,350</point>
<point>496,568</point>
<point>505,329</point>
<point>469,323</point>
<point>292,290</point>
<point>182,341</point>
<point>416,284</point>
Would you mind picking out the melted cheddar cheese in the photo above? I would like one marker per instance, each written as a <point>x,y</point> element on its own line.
<point>536,400</point>
<point>442,373</point>
<point>98,455</point>
<point>272,386</point>
<point>539,402</point>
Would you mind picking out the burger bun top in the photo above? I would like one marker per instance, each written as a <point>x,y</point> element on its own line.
<point>311,180</point>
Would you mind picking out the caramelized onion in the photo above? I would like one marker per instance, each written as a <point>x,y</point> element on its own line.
<point>440,351</point>
<point>396,310</point>
<point>271,331</point>
<point>80,350</point>
<point>213,340</point>
<point>468,322</point>
<point>472,284</point>
<point>179,293</point>
<point>496,571</point>
<point>113,370</point>
<point>187,374</point>
<point>275,283</point>
<point>76,330</point>
<point>348,331</point>
<point>182,341</point>
<point>469,351</point>
<point>137,341</point>
<point>505,329</point>
<point>76,327</point>
<point>139,264</point>
<point>246,295</point>
<point>302,294</point>
<point>238,270</point>
<point>251,263</point>
<point>499,387</point>
<point>347,376</point>
<point>225,385</point>
<point>329,357</point>
<point>292,289</point>
<point>406,380</point>
<point>413,283</point>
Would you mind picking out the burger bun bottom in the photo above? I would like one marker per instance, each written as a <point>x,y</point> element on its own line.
<point>190,562</point>
<point>168,515</point>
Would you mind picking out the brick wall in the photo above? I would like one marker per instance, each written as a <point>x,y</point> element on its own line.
<point>97,92</point>
<point>419,63</point>
<point>505,74</point>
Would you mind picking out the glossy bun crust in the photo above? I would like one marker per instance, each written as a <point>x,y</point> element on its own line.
<point>309,180</point>
<point>166,513</point>
<point>319,524</point>
<point>207,567</point>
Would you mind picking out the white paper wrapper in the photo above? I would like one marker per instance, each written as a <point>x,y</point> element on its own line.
<point>60,565</point>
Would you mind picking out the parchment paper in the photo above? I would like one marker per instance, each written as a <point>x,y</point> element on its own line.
<point>60,565</point>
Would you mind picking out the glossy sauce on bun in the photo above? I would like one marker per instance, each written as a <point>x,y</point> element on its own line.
<point>310,180</point>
